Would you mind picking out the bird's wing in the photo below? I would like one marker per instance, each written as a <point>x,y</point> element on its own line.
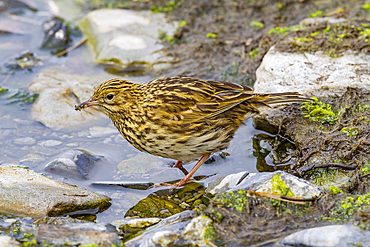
<point>190,100</point>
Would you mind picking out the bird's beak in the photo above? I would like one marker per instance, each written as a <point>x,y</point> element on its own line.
<point>87,103</point>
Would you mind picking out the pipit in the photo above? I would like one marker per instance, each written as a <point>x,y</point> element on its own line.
<point>181,118</point>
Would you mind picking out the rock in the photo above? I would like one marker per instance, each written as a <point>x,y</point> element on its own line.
<point>136,222</point>
<point>180,229</point>
<point>7,241</point>
<point>25,141</point>
<point>140,165</point>
<point>281,72</point>
<point>334,235</point>
<point>28,193</point>
<point>126,36</point>
<point>262,182</point>
<point>50,143</point>
<point>98,131</point>
<point>74,164</point>
<point>77,234</point>
<point>55,104</point>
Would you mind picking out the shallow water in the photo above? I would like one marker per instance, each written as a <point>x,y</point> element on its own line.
<point>16,124</point>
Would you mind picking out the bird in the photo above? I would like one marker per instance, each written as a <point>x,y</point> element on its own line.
<point>181,118</point>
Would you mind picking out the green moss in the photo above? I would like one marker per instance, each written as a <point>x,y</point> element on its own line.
<point>303,39</point>
<point>350,132</point>
<point>279,186</point>
<point>211,36</point>
<point>335,190</point>
<point>253,53</point>
<point>236,201</point>
<point>285,30</point>
<point>345,209</point>
<point>316,14</point>
<point>171,39</point>
<point>318,111</point>
<point>366,6</point>
<point>169,6</point>
<point>257,24</point>
<point>365,169</point>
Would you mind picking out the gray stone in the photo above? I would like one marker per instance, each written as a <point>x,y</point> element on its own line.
<point>281,72</point>
<point>180,229</point>
<point>126,36</point>
<point>77,234</point>
<point>139,165</point>
<point>74,164</point>
<point>261,182</point>
<point>28,193</point>
<point>6,241</point>
<point>328,236</point>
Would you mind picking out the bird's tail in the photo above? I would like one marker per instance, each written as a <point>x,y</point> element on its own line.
<point>278,98</point>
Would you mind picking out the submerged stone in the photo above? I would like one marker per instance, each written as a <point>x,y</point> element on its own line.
<point>25,192</point>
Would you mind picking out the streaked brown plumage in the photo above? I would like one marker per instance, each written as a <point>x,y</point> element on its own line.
<point>181,118</point>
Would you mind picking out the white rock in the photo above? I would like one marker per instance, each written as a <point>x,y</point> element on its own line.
<point>7,241</point>
<point>50,143</point>
<point>55,104</point>
<point>126,36</point>
<point>25,141</point>
<point>328,236</point>
<point>281,72</point>
<point>261,182</point>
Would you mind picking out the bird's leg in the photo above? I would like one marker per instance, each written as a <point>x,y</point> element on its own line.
<point>187,176</point>
<point>179,165</point>
<point>192,171</point>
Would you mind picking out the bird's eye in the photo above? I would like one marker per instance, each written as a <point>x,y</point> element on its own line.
<point>110,96</point>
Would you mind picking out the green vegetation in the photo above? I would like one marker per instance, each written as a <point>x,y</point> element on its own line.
<point>257,24</point>
<point>285,30</point>
<point>350,132</point>
<point>279,186</point>
<point>365,169</point>
<point>253,53</point>
<point>318,111</point>
<point>211,36</point>
<point>316,14</point>
<point>335,190</point>
<point>236,201</point>
<point>171,39</point>
<point>169,6</point>
<point>302,39</point>
<point>348,207</point>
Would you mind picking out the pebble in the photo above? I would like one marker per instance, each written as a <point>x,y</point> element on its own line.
<point>50,143</point>
<point>98,131</point>
<point>25,141</point>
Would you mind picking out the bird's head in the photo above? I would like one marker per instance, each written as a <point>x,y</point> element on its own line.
<point>112,96</point>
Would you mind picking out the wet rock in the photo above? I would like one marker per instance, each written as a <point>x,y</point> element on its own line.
<point>23,61</point>
<point>126,36</point>
<point>59,93</point>
<point>140,165</point>
<point>262,182</point>
<point>335,235</point>
<point>98,131</point>
<point>281,72</point>
<point>180,229</point>
<point>25,141</point>
<point>74,164</point>
<point>56,34</point>
<point>136,185</point>
<point>50,143</point>
<point>77,234</point>
<point>25,192</point>
<point>7,241</point>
